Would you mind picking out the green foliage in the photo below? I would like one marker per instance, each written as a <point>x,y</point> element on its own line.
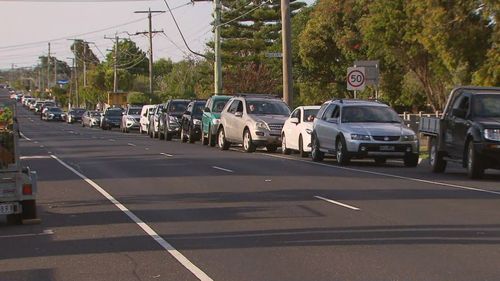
<point>92,96</point>
<point>130,58</point>
<point>137,98</point>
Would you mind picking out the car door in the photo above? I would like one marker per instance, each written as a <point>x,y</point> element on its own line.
<point>451,121</point>
<point>461,126</point>
<point>322,128</point>
<point>289,127</point>
<point>206,117</point>
<point>231,120</point>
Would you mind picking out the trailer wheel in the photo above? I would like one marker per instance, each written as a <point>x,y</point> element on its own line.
<point>29,209</point>
<point>438,164</point>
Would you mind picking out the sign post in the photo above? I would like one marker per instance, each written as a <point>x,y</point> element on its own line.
<point>356,80</point>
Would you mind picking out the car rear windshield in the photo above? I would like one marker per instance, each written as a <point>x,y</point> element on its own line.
<point>369,114</point>
<point>267,107</point>
<point>178,106</point>
<point>486,105</point>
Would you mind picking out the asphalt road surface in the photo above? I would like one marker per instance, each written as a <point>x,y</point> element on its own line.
<point>126,207</point>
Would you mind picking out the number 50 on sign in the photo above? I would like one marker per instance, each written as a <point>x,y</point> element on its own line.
<point>356,78</point>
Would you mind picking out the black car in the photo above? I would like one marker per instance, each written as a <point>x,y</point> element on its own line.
<point>191,121</point>
<point>169,125</point>
<point>75,115</point>
<point>53,114</point>
<point>112,118</point>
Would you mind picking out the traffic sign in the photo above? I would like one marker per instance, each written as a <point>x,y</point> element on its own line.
<point>274,55</point>
<point>356,78</point>
<point>371,71</point>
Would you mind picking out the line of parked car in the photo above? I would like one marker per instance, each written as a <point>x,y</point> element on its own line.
<point>345,128</point>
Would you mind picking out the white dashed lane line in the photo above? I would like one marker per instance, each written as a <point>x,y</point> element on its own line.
<point>223,169</point>
<point>166,154</point>
<point>338,203</point>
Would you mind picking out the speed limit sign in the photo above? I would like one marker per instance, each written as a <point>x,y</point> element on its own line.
<point>356,78</point>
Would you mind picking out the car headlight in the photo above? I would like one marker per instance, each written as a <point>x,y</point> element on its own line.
<point>51,115</point>
<point>197,121</point>
<point>172,119</point>
<point>409,137</point>
<point>360,137</point>
<point>309,131</point>
<point>215,121</point>
<point>131,119</point>
<point>261,125</point>
<point>492,134</point>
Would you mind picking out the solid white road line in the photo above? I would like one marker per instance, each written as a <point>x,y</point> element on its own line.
<point>34,157</point>
<point>338,203</point>
<point>222,169</point>
<point>163,243</point>
<point>389,175</point>
<point>166,154</point>
<point>45,232</point>
<point>24,136</point>
<point>111,140</point>
<point>131,144</point>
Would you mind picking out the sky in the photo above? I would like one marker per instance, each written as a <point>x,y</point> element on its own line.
<point>28,25</point>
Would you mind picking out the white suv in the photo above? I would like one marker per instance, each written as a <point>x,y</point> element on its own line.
<point>252,120</point>
<point>362,129</point>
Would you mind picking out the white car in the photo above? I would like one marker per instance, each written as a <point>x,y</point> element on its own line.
<point>296,133</point>
<point>144,122</point>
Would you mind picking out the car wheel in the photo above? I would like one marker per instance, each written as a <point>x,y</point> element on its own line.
<point>161,135</point>
<point>301,148</point>
<point>341,152</point>
<point>221,140</point>
<point>475,168</point>
<point>271,148</point>
<point>168,136</point>
<point>248,144</point>
<point>204,140</point>
<point>183,135</point>
<point>438,164</point>
<point>191,136</point>
<point>380,160</point>
<point>284,149</point>
<point>411,160</point>
<point>316,154</point>
<point>211,139</point>
<point>150,132</point>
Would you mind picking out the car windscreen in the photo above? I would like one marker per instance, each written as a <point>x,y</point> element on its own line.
<point>114,112</point>
<point>369,114</point>
<point>178,106</point>
<point>218,105</point>
<point>486,105</point>
<point>134,111</point>
<point>198,109</point>
<point>310,114</point>
<point>267,107</point>
<point>55,109</point>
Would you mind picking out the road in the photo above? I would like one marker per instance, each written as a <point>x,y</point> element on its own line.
<point>126,207</point>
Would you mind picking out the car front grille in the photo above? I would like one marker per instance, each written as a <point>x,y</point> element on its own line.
<point>275,127</point>
<point>386,138</point>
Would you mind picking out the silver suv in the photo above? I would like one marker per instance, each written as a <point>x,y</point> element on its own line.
<point>362,129</point>
<point>252,120</point>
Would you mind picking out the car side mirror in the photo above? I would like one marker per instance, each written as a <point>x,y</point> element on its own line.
<point>207,110</point>
<point>332,120</point>
<point>238,114</point>
<point>294,120</point>
<point>458,112</point>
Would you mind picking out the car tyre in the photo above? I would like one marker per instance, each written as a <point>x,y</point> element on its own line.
<point>183,136</point>
<point>411,160</point>
<point>341,153</point>
<point>248,144</point>
<point>205,140</point>
<point>191,136</point>
<point>316,154</point>
<point>284,149</point>
<point>438,164</point>
<point>302,153</point>
<point>475,168</point>
<point>221,140</point>
<point>271,148</point>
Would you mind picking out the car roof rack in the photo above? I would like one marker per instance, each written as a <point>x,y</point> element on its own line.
<point>263,96</point>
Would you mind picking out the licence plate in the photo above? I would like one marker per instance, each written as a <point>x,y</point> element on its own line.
<point>387,148</point>
<point>6,209</point>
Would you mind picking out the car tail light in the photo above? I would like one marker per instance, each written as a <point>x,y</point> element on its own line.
<point>27,189</point>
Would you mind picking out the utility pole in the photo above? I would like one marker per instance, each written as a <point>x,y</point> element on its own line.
<point>150,34</point>
<point>55,71</point>
<point>286,34</point>
<point>115,62</point>
<point>217,48</point>
<point>71,84</point>
<point>48,69</point>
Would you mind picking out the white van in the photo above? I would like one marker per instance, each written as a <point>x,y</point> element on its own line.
<point>144,122</point>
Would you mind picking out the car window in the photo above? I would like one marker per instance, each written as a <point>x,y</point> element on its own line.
<point>114,112</point>
<point>218,105</point>
<point>328,112</point>
<point>178,106</point>
<point>134,111</point>
<point>310,114</point>
<point>234,106</point>
<point>487,105</point>
<point>295,113</point>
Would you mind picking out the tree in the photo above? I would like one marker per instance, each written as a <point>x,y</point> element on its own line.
<point>130,58</point>
<point>83,53</point>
